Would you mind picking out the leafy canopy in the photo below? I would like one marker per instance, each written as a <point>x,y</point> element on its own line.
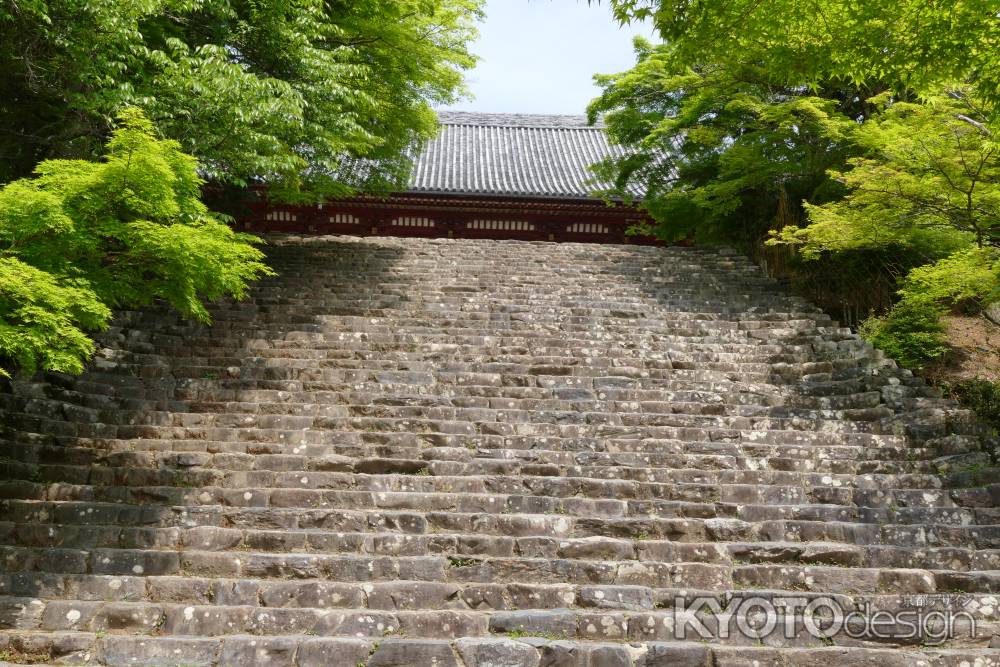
<point>853,135</point>
<point>279,90</point>
<point>908,45</point>
<point>929,178</point>
<point>82,238</point>
<point>715,152</point>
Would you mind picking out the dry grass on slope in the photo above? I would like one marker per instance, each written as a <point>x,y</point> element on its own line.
<point>975,342</point>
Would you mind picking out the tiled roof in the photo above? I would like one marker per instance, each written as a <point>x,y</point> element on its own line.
<point>513,155</point>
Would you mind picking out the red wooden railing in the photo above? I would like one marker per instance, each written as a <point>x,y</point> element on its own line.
<point>430,216</point>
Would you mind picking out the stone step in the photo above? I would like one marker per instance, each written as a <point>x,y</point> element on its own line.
<point>661,449</point>
<point>217,354</point>
<point>696,478</point>
<point>118,650</point>
<point>341,313</point>
<point>464,545</point>
<point>218,620</point>
<point>50,463</point>
<point>553,392</point>
<point>519,410</point>
<point>679,522</point>
<point>762,431</point>
<point>514,453</point>
<point>582,416</point>
<point>463,323</point>
<point>753,502</point>
<point>432,479</point>
<point>462,596</point>
<point>647,445</point>
<point>596,471</point>
<point>175,460</point>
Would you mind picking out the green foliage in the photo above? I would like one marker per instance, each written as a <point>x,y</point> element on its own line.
<point>908,45</point>
<point>285,91</point>
<point>860,174</point>
<point>83,237</point>
<point>929,183</point>
<point>969,275</point>
<point>42,319</point>
<point>981,396</point>
<point>850,286</point>
<point>929,180</point>
<point>911,333</point>
<point>717,151</point>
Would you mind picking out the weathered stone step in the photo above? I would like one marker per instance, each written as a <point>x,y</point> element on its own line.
<point>342,355</point>
<point>349,568</point>
<point>680,522</point>
<point>610,323</point>
<point>116,650</point>
<point>517,298</point>
<point>465,545</point>
<point>378,328</point>
<point>327,379</point>
<point>819,376</point>
<point>413,294</point>
<point>306,490</point>
<point>270,401</point>
<point>682,464</point>
<point>549,439</point>
<point>681,474</point>
<point>414,595</point>
<point>463,457</point>
<point>304,449</point>
<point>752,503</point>
<point>483,415</point>
<point>593,625</point>
<point>566,424</point>
<point>277,397</point>
<point>214,354</point>
<point>673,449</point>
<point>685,481</point>
<point>424,418</point>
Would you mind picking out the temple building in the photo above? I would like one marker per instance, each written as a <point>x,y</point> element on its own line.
<point>498,176</point>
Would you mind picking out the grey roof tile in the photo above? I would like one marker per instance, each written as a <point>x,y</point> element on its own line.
<point>513,155</point>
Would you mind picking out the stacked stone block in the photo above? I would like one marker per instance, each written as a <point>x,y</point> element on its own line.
<point>484,453</point>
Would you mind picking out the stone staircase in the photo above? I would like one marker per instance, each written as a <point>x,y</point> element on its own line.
<point>494,454</point>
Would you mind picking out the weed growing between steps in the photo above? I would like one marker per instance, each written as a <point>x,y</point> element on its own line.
<point>981,396</point>
<point>21,658</point>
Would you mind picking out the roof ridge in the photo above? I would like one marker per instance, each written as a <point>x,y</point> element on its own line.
<point>532,127</point>
<point>528,120</point>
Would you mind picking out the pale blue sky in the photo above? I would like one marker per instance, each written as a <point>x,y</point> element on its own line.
<point>539,56</point>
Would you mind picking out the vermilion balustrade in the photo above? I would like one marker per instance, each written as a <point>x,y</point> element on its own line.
<point>588,221</point>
